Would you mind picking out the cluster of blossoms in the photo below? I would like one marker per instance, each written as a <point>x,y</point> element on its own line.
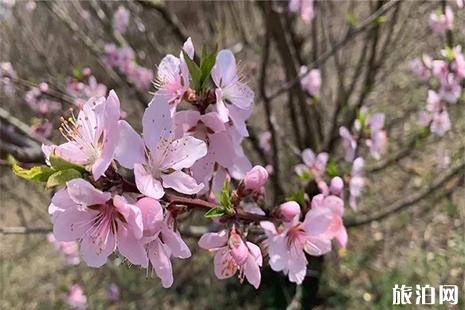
<point>83,86</point>
<point>121,20</point>
<point>444,77</point>
<point>123,59</point>
<point>119,191</point>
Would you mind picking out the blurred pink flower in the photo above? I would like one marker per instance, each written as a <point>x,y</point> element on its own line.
<point>349,143</point>
<point>311,82</point>
<point>113,293</point>
<point>421,67</point>
<point>42,129</point>
<point>458,65</point>
<point>76,298</point>
<point>233,255</point>
<point>69,250</point>
<point>450,89</point>
<point>357,182</point>
<point>304,8</point>
<point>336,205</point>
<point>440,22</point>
<point>378,139</point>
<point>441,123</point>
<point>315,165</point>
<point>265,142</point>
<point>121,20</point>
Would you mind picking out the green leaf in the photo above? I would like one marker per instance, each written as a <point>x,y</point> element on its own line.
<point>38,173</point>
<point>194,71</point>
<point>62,176</point>
<point>225,197</point>
<point>380,20</point>
<point>77,73</point>
<point>351,20</point>
<point>59,163</point>
<point>298,196</point>
<point>332,169</point>
<point>306,176</point>
<point>206,65</point>
<point>216,212</point>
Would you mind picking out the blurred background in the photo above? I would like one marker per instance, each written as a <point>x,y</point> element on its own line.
<point>60,51</point>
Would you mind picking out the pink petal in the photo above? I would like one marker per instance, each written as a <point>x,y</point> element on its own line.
<point>188,47</point>
<point>84,193</point>
<point>183,153</point>
<point>308,157</point>
<point>174,242</point>
<point>224,72</point>
<point>224,264</point>
<point>146,183</point>
<point>131,248</point>
<point>151,212</point>
<point>221,108</point>
<point>181,182</point>
<point>297,267</point>
<point>342,237</point>
<point>221,149</point>
<point>161,263</point>
<point>210,241</point>
<point>252,272</point>
<point>239,117</point>
<point>239,95</point>
<point>71,224</point>
<point>213,121</point>
<point>278,252</point>
<point>130,149</point>
<point>71,152</point>
<point>317,221</point>
<point>268,228</point>
<point>96,254</point>
<point>318,246</point>
<point>131,214</point>
<point>157,122</point>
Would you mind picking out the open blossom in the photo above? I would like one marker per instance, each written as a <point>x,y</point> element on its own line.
<point>161,240</point>
<point>440,22</point>
<point>458,65</point>
<point>378,139</point>
<point>76,298</point>
<point>287,244</point>
<point>69,250</point>
<point>158,158</point>
<point>233,98</point>
<point>121,20</point>
<point>102,223</point>
<point>37,101</point>
<point>42,129</point>
<point>233,255</point>
<point>450,89</point>
<point>421,68</point>
<point>441,122</point>
<point>83,92</point>
<point>173,75</point>
<point>93,136</point>
<point>116,57</point>
<point>311,82</point>
<point>348,143</point>
<point>314,165</point>
<point>304,8</point>
<point>357,182</point>
<point>336,205</point>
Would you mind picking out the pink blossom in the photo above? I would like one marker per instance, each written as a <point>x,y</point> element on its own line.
<point>378,140</point>
<point>459,3</point>
<point>450,89</point>
<point>265,142</point>
<point>173,75</point>
<point>158,158</point>
<point>421,67</point>
<point>233,255</point>
<point>440,70</point>
<point>337,186</point>
<point>255,179</point>
<point>69,250</point>
<point>336,205</point>
<point>101,222</point>
<point>161,240</point>
<point>233,98</point>
<point>287,244</point>
<point>424,119</point>
<point>357,182</point>
<point>440,22</point>
<point>441,123</point>
<point>113,292</point>
<point>42,130</point>
<point>83,92</point>
<point>76,298</point>
<point>121,20</point>
<point>93,136</point>
<point>458,64</point>
<point>433,101</point>
<point>7,75</point>
<point>140,76</point>
<point>349,143</point>
<point>289,210</point>
<point>120,58</point>
<point>311,82</point>
<point>304,8</point>
<point>37,101</point>
<point>315,165</point>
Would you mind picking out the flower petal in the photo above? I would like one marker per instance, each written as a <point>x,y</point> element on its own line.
<point>156,122</point>
<point>161,263</point>
<point>183,153</point>
<point>130,149</point>
<point>181,182</point>
<point>84,193</point>
<point>95,253</point>
<point>146,183</point>
<point>210,241</point>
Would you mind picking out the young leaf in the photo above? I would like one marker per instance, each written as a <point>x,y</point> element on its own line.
<point>59,163</point>
<point>216,212</point>
<point>62,176</point>
<point>206,65</point>
<point>194,71</point>
<point>225,197</point>
<point>299,197</point>
<point>332,169</point>
<point>38,173</point>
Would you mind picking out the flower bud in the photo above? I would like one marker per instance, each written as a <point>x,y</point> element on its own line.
<point>289,210</point>
<point>43,87</point>
<point>239,250</point>
<point>255,178</point>
<point>336,186</point>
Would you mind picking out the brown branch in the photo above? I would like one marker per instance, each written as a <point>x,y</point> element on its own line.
<point>425,192</point>
<point>349,36</point>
